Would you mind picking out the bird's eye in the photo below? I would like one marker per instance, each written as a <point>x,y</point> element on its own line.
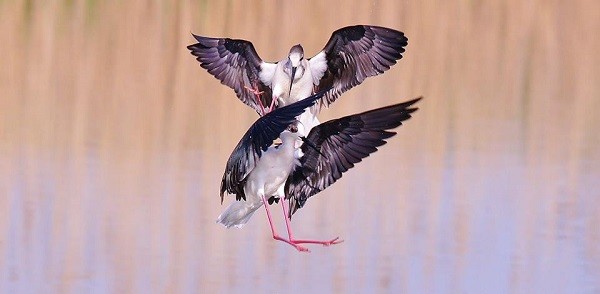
<point>293,128</point>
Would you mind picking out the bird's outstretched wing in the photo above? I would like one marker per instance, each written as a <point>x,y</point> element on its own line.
<point>257,139</point>
<point>354,53</point>
<point>337,145</point>
<point>236,64</point>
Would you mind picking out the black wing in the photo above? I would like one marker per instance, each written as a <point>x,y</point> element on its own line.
<point>236,64</point>
<point>256,140</point>
<point>354,53</point>
<point>337,145</point>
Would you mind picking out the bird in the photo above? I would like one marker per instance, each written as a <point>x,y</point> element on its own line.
<point>352,54</point>
<point>261,175</point>
<point>256,170</point>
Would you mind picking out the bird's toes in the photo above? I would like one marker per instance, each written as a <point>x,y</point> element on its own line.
<point>333,241</point>
<point>302,249</point>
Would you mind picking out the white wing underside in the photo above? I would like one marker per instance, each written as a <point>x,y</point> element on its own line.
<point>318,66</point>
<point>267,71</point>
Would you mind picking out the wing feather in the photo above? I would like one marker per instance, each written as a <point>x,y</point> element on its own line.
<point>354,53</point>
<point>236,64</point>
<point>338,145</point>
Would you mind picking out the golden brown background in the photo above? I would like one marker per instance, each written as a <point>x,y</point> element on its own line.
<point>113,141</point>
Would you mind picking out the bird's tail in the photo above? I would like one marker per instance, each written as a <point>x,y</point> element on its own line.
<point>238,213</point>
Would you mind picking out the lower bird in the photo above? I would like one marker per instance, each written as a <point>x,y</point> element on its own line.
<point>255,171</point>
<point>261,175</point>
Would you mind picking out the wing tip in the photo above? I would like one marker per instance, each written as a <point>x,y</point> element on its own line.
<point>411,102</point>
<point>202,38</point>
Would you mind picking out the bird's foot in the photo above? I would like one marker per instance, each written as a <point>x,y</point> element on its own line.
<point>301,248</point>
<point>257,93</point>
<point>333,241</point>
<point>254,91</point>
<point>295,245</point>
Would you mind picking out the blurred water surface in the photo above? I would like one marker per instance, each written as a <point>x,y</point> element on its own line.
<point>113,141</point>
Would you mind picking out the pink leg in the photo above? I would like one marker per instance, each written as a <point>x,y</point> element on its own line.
<point>277,237</point>
<point>257,94</point>
<point>292,240</point>
<point>273,99</point>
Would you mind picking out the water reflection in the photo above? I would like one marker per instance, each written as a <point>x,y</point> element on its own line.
<point>113,141</point>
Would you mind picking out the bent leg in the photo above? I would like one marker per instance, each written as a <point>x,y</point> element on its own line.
<point>275,235</point>
<point>297,241</point>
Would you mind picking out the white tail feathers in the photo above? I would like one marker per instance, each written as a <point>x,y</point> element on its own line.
<point>238,213</point>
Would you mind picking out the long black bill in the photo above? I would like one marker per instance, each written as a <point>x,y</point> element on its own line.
<point>292,80</point>
<point>311,145</point>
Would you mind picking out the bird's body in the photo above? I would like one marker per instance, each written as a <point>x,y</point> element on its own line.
<point>272,170</point>
<point>301,86</point>
<point>256,170</point>
<point>267,179</point>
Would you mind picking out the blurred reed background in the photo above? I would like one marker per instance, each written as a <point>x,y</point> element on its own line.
<point>113,142</point>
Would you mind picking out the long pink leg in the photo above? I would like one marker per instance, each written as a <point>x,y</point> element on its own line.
<point>292,240</point>
<point>263,111</point>
<point>275,236</point>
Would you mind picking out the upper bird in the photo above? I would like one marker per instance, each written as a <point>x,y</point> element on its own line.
<point>351,55</point>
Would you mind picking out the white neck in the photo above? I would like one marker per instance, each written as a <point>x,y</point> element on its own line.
<point>288,139</point>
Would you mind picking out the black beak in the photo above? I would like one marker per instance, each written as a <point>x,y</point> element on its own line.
<point>311,145</point>
<point>292,80</point>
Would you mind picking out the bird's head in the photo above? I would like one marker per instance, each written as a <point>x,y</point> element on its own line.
<point>296,55</point>
<point>295,64</point>
<point>291,132</point>
<point>293,128</point>
<point>295,131</point>
<point>297,128</point>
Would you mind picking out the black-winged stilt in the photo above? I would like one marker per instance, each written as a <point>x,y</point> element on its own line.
<point>351,55</point>
<point>260,175</point>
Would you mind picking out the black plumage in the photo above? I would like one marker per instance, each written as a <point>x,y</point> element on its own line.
<point>341,143</point>
<point>236,64</point>
<point>356,52</point>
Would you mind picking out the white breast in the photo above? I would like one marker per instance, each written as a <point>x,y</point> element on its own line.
<point>272,170</point>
